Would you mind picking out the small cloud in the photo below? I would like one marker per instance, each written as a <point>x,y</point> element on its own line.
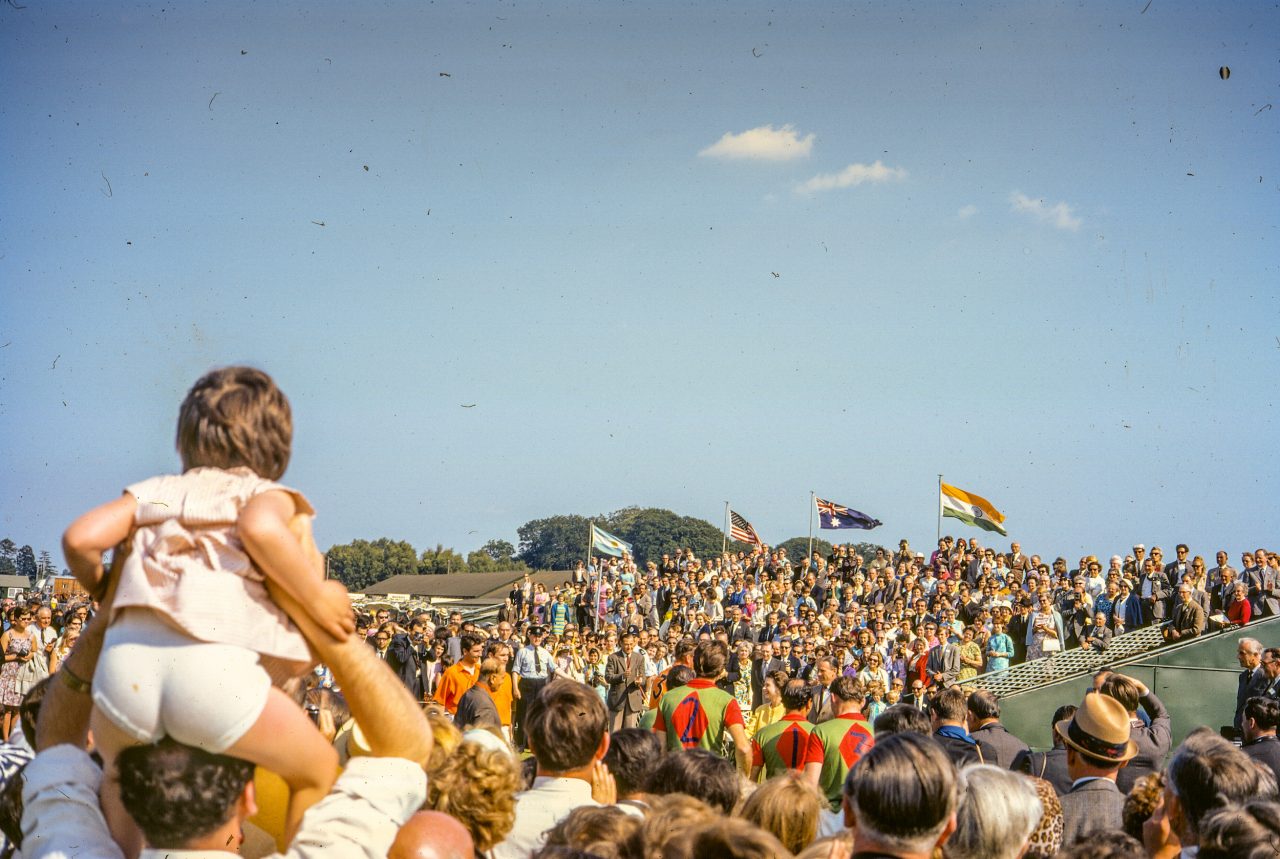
<point>854,174</point>
<point>1059,214</point>
<point>765,143</point>
<point>967,212</point>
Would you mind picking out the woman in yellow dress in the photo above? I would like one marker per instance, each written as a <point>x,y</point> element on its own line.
<point>771,710</point>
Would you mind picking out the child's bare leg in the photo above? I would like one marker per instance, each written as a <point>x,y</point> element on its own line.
<point>109,741</point>
<point>284,741</point>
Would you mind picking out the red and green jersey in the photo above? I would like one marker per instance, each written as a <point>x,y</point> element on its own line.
<point>838,744</point>
<point>783,745</point>
<point>697,716</point>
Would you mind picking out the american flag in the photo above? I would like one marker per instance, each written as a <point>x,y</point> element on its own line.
<point>740,529</point>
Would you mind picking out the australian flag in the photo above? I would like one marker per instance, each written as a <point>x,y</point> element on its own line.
<point>832,515</point>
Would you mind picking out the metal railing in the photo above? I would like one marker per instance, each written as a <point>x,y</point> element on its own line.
<point>1067,663</point>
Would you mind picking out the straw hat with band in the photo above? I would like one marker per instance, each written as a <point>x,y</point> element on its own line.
<point>1099,729</point>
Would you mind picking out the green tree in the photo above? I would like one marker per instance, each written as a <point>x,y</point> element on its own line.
<point>439,561</point>
<point>798,548</point>
<point>361,563</point>
<point>652,532</point>
<point>26,563</point>
<point>499,550</point>
<point>554,543</point>
<point>8,556</point>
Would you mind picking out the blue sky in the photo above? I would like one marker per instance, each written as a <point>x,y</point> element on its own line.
<point>673,253</point>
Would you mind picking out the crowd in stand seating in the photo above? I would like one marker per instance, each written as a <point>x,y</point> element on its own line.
<point>743,707</point>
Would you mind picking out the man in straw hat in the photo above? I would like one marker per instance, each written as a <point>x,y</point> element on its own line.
<point>1098,747</point>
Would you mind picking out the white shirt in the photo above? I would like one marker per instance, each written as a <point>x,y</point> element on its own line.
<point>358,819</point>
<point>538,809</point>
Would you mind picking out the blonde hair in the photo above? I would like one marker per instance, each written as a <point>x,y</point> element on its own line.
<point>668,815</point>
<point>477,786</point>
<point>787,806</point>
<point>236,416</point>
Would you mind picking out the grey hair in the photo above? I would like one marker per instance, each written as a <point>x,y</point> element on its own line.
<point>1251,644</point>
<point>998,812</point>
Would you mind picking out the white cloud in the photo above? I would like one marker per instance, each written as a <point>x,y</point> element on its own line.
<point>854,174</point>
<point>1059,214</point>
<point>967,212</point>
<point>765,143</point>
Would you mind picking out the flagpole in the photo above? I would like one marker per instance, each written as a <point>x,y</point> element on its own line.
<point>724,538</point>
<point>811,503</point>
<point>591,534</point>
<point>939,507</point>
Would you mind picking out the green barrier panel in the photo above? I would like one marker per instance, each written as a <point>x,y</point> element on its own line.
<point>1195,679</point>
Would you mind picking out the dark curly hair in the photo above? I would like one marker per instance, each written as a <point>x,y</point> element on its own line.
<point>176,793</point>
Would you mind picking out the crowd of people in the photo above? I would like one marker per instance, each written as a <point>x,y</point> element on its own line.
<point>216,694</point>
<point>684,770</point>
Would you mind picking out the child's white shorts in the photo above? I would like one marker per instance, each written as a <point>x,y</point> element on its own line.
<point>153,681</point>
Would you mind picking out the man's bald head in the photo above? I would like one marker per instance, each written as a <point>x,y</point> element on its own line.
<point>432,835</point>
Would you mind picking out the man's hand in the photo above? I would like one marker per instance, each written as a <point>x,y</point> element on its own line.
<point>604,788</point>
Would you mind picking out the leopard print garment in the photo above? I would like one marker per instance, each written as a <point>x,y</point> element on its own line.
<point>1046,840</point>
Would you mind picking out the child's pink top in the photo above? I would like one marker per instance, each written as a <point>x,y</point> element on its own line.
<point>188,564</point>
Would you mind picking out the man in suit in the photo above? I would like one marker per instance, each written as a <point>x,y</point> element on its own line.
<point>985,727</point>
<point>944,665</point>
<point>1153,593</point>
<point>771,628</point>
<point>1253,680</point>
<point>790,662</point>
<point>1051,765</point>
<point>624,672</point>
<point>1016,560</point>
<point>1097,636</point>
<point>1261,716</point>
<point>739,627</point>
<point>1188,617</point>
<point>1270,665</point>
<point>1017,628</point>
<point>1180,566</point>
<point>1216,573</point>
<point>947,716</point>
<point>1152,741</point>
<point>917,698</point>
<point>1098,747</point>
<point>821,707</point>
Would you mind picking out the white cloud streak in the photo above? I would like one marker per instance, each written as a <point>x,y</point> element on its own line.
<point>1059,214</point>
<point>854,174</point>
<point>765,143</point>
<point>967,212</point>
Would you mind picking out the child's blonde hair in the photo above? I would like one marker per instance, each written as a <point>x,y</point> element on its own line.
<point>236,416</point>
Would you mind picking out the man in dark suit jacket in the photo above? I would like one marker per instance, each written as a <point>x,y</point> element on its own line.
<point>1051,765</point>
<point>1253,679</point>
<point>771,629</point>
<point>985,727</point>
<point>1261,716</point>
<point>1153,593</point>
<point>1017,628</point>
<point>1098,747</point>
<point>1097,635</point>
<point>917,698</point>
<point>624,672</point>
<point>1152,741</point>
<point>947,715</point>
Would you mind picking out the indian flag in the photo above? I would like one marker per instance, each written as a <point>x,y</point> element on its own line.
<point>971,509</point>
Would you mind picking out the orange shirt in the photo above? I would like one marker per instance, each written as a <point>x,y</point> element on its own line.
<point>455,681</point>
<point>502,698</point>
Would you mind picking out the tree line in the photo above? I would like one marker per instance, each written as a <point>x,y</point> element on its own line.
<point>551,543</point>
<point>15,561</point>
